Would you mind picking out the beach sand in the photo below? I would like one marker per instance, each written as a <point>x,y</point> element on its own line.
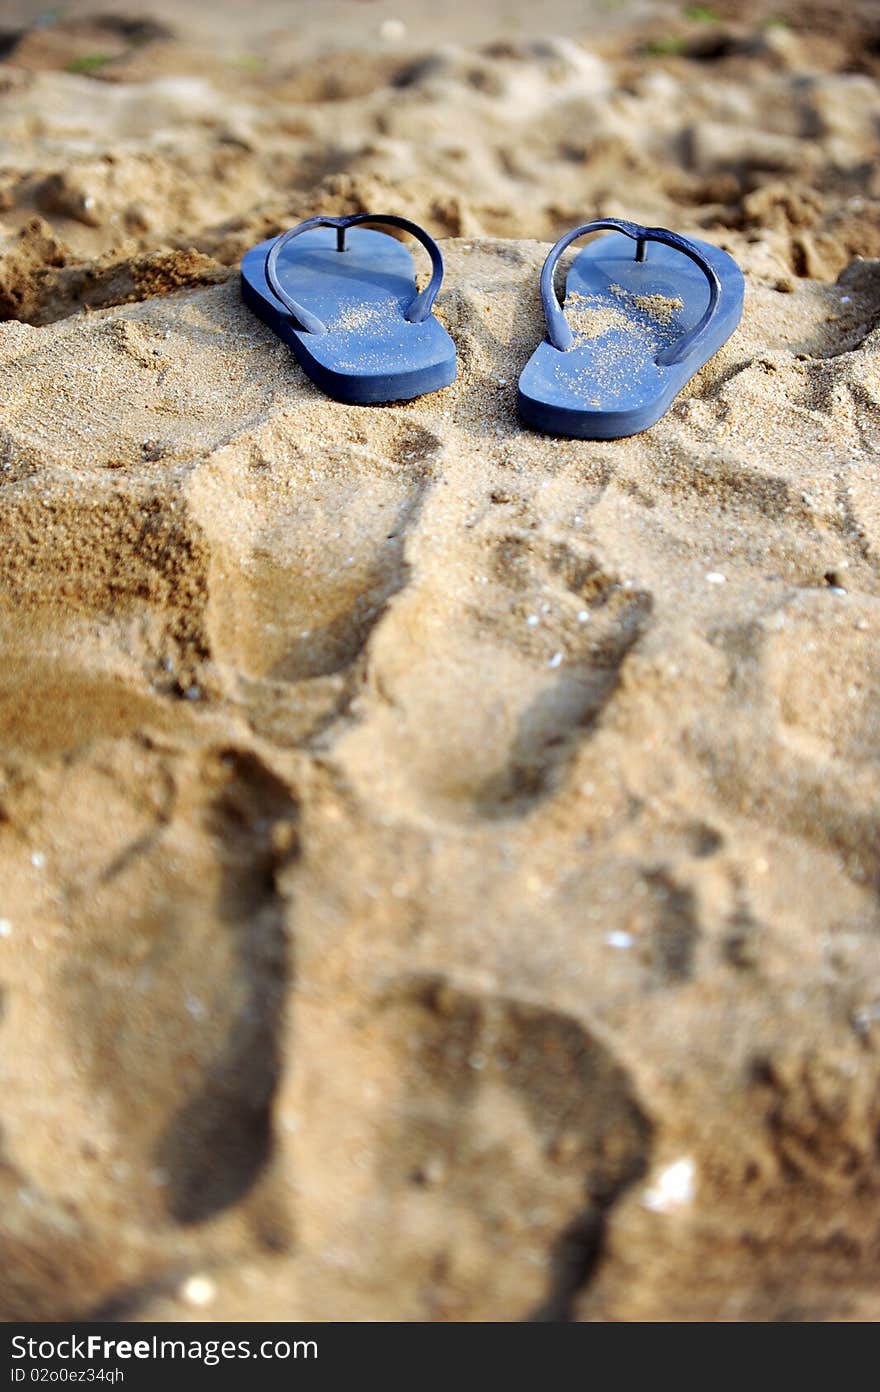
<point>438,862</point>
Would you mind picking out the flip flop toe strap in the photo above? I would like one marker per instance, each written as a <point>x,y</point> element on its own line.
<point>419,307</point>
<point>558,330</point>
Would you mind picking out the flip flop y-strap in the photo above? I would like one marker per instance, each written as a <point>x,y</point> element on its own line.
<point>419,308</point>
<point>558,329</point>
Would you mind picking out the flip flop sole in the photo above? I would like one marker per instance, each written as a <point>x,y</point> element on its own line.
<point>370,353</point>
<point>624,312</point>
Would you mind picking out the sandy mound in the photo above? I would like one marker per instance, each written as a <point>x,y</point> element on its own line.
<point>438,863</point>
<point>433,855</point>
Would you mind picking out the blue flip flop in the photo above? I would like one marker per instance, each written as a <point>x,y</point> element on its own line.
<point>358,327</point>
<point>631,332</point>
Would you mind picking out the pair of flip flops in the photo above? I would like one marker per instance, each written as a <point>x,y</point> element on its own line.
<point>643,310</point>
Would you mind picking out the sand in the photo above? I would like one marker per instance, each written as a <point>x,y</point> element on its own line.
<point>438,863</point>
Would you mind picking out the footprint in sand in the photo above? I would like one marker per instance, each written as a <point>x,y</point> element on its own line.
<point>305,554</point>
<point>169,1012</point>
<point>559,628</point>
<point>504,1134</point>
